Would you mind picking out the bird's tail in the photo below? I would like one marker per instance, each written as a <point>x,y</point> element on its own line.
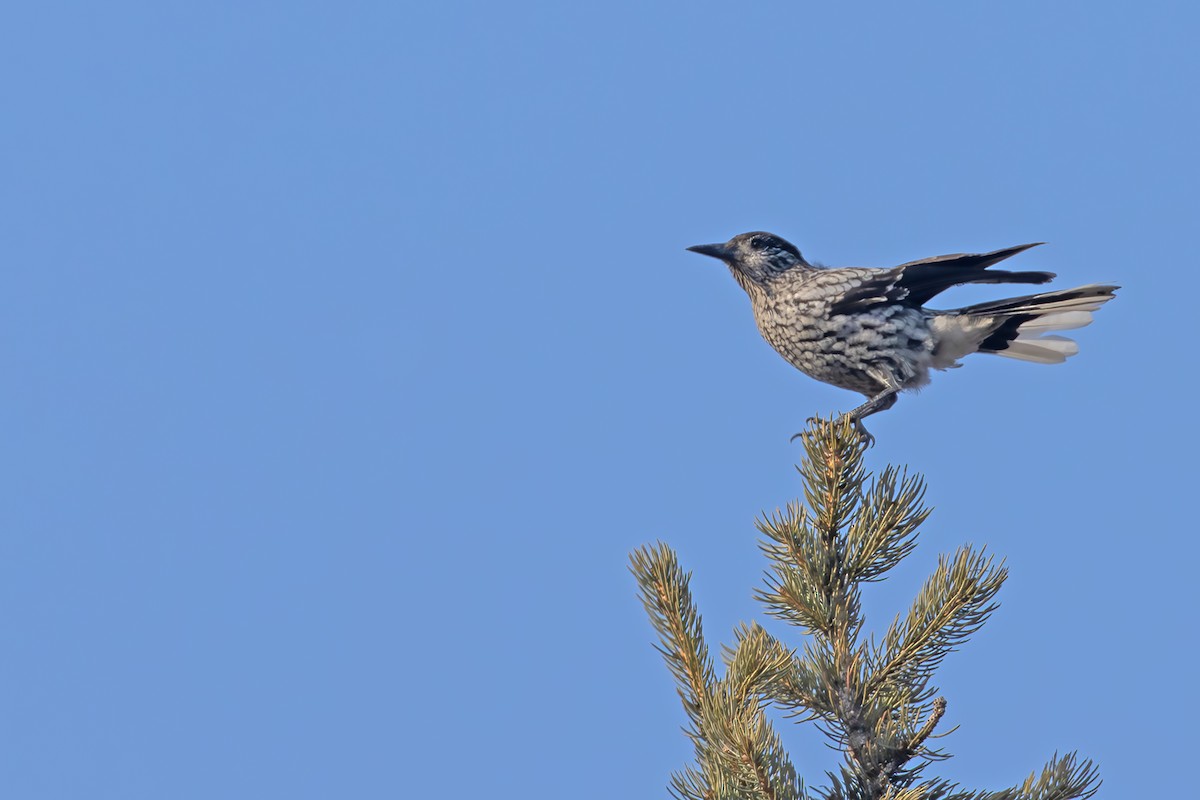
<point>1020,323</point>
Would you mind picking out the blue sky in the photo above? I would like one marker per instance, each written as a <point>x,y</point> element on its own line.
<point>350,348</point>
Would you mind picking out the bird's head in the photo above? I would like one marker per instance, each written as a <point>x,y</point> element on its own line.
<point>755,258</point>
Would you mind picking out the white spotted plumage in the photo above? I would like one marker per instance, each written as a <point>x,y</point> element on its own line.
<point>868,330</point>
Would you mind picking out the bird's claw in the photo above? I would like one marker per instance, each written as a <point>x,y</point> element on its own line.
<point>861,429</point>
<point>809,422</point>
<point>863,433</point>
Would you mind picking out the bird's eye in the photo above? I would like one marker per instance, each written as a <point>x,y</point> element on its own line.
<point>758,242</point>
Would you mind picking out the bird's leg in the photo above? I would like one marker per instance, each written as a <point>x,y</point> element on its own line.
<point>880,402</point>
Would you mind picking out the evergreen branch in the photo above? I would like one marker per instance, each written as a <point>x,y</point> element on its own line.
<point>738,752</point>
<point>934,790</point>
<point>880,759</point>
<point>754,757</point>
<point>912,793</point>
<point>847,788</point>
<point>746,756</point>
<point>874,701</point>
<point>663,587</point>
<point>807,585</point>
<point>820,561</point>
<point>833,472</point>
<point>690,785</point>
<point>1064,778</point>
<point>804,690</point>
<point>810,584</point>
<point>758,662</point>
<point>954,602</point>
<point>918,741</point>
<point>884,531</point>
<point>794,585</point>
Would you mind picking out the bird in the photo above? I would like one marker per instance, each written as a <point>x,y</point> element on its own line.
<point>867,329</point>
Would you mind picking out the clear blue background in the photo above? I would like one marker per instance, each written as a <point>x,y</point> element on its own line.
<point>348,349</point>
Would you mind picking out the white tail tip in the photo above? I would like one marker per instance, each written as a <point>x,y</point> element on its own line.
<point>1058,321</point>
<point>1042,349</point>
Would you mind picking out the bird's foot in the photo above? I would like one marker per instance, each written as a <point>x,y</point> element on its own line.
<point>859,427</point>
<point>809,422</point>
<point>863,433</point>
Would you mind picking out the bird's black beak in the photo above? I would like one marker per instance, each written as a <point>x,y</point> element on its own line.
<point>715,250</point>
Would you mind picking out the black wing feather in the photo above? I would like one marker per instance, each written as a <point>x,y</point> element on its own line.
<point>917,282</point>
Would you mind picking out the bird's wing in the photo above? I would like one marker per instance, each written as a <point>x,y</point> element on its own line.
<point>916,282</point>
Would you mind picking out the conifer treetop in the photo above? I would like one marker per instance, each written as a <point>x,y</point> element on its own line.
<point>874,700</point>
